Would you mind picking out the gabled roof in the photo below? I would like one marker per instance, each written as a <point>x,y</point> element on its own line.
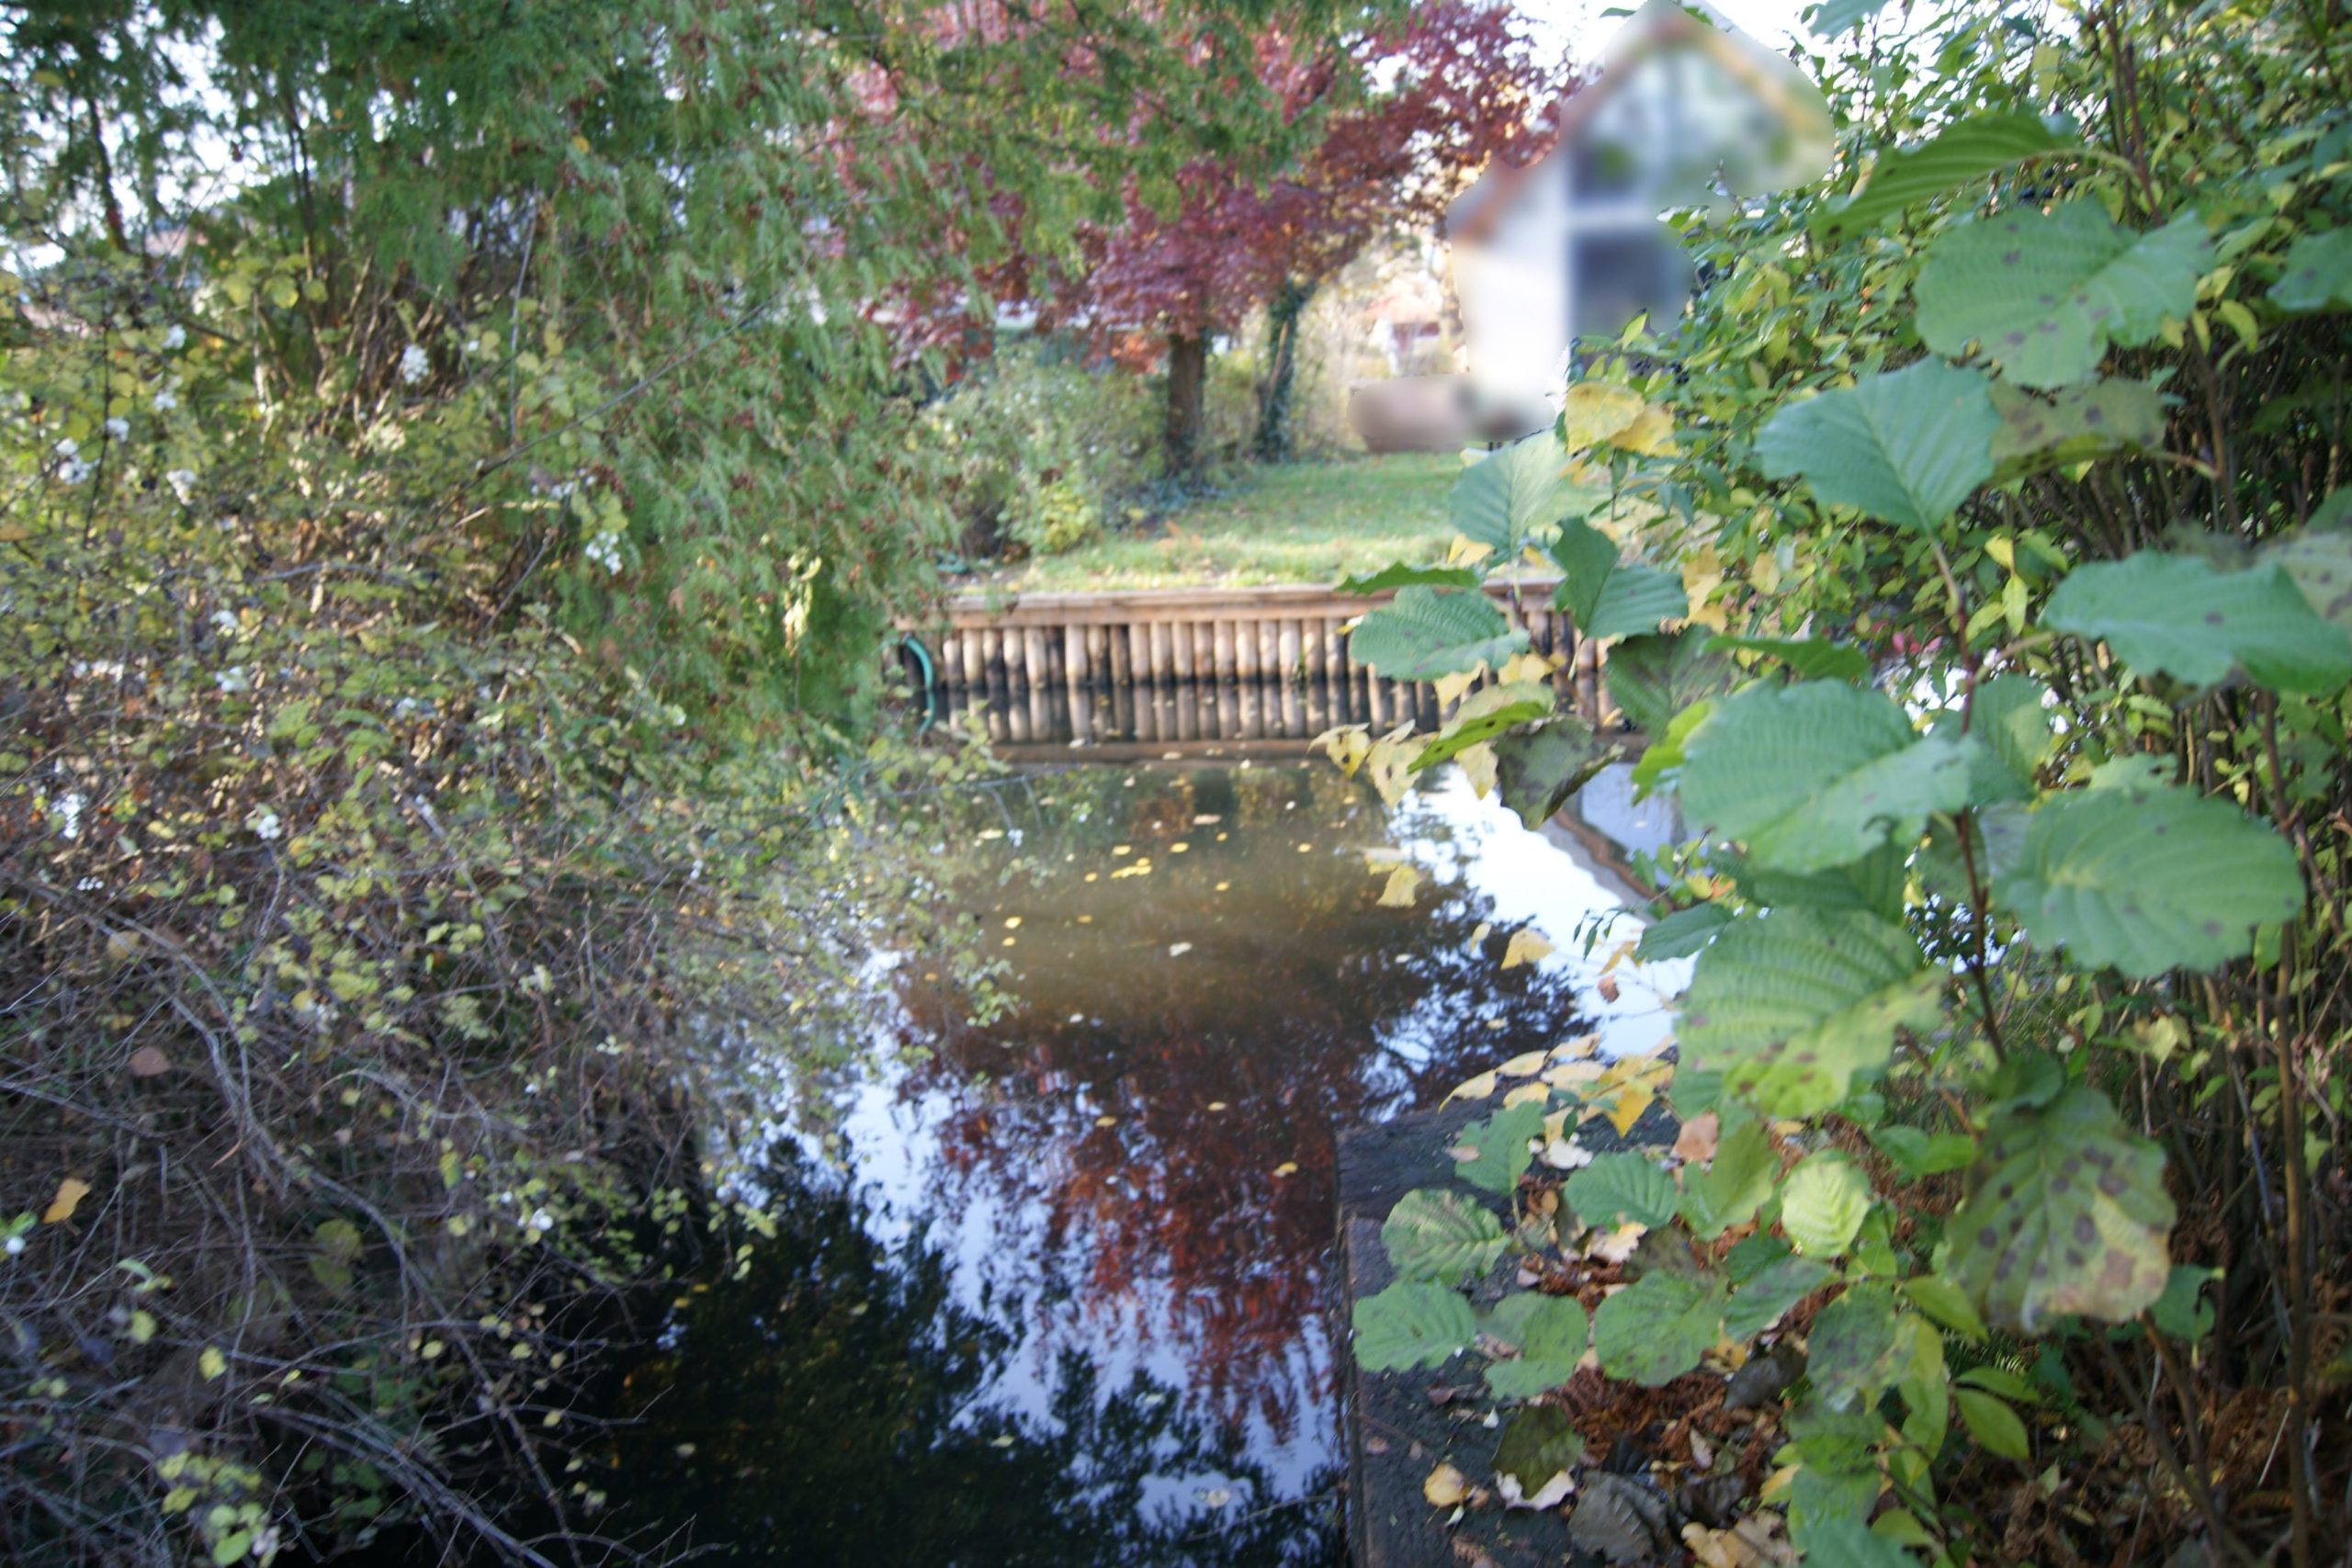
<point>1659,24</point>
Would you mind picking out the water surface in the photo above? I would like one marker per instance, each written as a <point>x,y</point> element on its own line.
<point>1054,1290</point>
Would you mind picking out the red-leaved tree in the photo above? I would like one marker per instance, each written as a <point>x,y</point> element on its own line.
<point>1407,116</point>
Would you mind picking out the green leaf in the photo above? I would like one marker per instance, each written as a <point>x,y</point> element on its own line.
<point>1440,1237</point>
<point>2321,566</point>
<point>1656,1328</point>
<point>1508,496</point>
<point>1907,446</point>
<point>1396,574</point>
<point>1411,1324</point>
<point>1811,658</point>
<point>2065,1212</point>
<point>1992,1423</point>
<point>1606,597</point>
<point>2178,1311</point>
<point>1873,883</point>
<point>1852,1348</point>
<point>1537,1444</point>
<point>1654,678</point>
<point>2178,616</point>
<point>1765,1299</point>
<point>1736,1182</point>
<point>1426,632</point>
<point>1834,19</point>
<point>1616,1187</point>
<point>1945,1303</point>
<point>2146,878</point>
<point>1661,761</point>
<point>2011,724</point>
<point>1550,1333</point>
<point>1537,768</point>
<point>1917,1153</point>
<point>1814,775</point>
<point>234,1546</point>
<point>1823,1202</point>
<point>1846,1543</point>
<point>1485,714</point>
<point>2318,273</point>
<point>1500,1147</point>
<point>1681,933</point>
<point>2075,423</point>
<point>1794,1006</point>
<point>1975,147</point>
<point>2044,293</point>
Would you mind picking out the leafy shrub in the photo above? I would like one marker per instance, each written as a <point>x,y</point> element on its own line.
<point>1988,619</point>
<point>1042,446</point>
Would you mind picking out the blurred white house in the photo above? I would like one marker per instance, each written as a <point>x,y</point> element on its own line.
<point>1567,249</point>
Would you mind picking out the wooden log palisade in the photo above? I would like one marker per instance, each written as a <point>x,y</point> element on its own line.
<point>1185,635</point>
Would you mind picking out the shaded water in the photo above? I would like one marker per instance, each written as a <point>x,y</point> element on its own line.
<point>1057,1293</point>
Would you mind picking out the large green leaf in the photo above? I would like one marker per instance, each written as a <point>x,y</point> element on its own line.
<point>1656,1328</point>
<point>1823,1202</point>
<point>2145,878</point>
<point>2318,273</point>
<point>1398,575</point>
<point>1537,1444</point>
<point>1844,1542</point>
<point>1485,714</point>
<point>1651,679</point>
<point>1833,19</point>
<point>1762,1301</point>
<point>1439,1236</point>
<point>2073,424</point>
<point>1428,631</point>
<point>1539,766</point>
<point>2180,616</point>
<point>1411,1324</point>
<point>1493,1152</point>
<point>1550,1335</point>
<point>1618,1186</point>
<point>2010,720</point>
<point>2044,293</point>
<point>1817,775</point>
<point>1853,1352</point>
<point>1813,658</point>
<point>2319,565</point>
<point>1509,496</point>
<point>1908,446</point>
<point>2065,1212</point>
<point>1793,1006</point>
<point>1681,933</point>
<point>1605,596</point>
<point>1735,1184</point>
<point>1976,146</point>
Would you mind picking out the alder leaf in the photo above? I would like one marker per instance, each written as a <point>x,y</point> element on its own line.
<point>1606,597</point>
<point>1823,1202</point>
<point>2075,423</point>
<point>2044,293</point>
<point>1681,933</point>
<point>1814,775</point>
<point>1484,715</point>
<point>1537,1444</point>
<point>1975,147</point>
<point>1540,765</point>
<point>1499,1146</point>
<point>1411,1324</point>
<point>1656,1328</point>
<point>1616,1187</point>
<point>1733,1185</point>
<point>1441,1238</point>
<point>1853,1353</point>
<point>2146,878</point>
<point>1396,574</point>
<point>1653,679</point>
<point>1764,1299</point>
<point>1550,1333</point>
<point>2180,616</point>
<point>2065,1212</point>
<point>2317,274</point>
<point>1813,658</point>
<point>2319,563</point>
<point>1426,632</point>
<point>1907,446</point>
<point>1506,497</point>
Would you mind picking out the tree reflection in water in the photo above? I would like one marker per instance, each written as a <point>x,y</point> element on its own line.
<point>1098,1225</point>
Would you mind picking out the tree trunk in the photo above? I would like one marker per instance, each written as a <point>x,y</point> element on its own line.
<point>1283,317</point>
<point>1188,368</point>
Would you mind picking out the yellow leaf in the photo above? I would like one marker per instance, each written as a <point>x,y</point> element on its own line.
<point>1526,945</point>
<point>1482,931</point>
<point>1446,1486</point>
<point>1626,1107</point>
<point>1480,766</point>
<point>1528,666</point>
<point>1450,688</point>
<point>1521,1066</point>
<point>1346,746</point>
<point>1288,1167</point>
<point>1567,1074</point>
<point>1474,1088</point>
<point>1527,1093</point>
<point>1618,954</point>
<point>2003,550</point>
<point>1466,552</point>
<point>1595,411</point>
<point>212,1363</point>
<point>1575,1050</point>
<point>1651,433</point>
<point>1399,894</point>
<point>1388,763</point>
<point>70,1193</point>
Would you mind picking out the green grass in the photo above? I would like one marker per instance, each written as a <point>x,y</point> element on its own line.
<point>1287,523</point>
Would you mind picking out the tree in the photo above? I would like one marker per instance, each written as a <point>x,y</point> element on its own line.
<point>1400,117</point>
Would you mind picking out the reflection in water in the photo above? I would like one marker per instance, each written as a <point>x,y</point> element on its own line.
<point>1056,1292</point>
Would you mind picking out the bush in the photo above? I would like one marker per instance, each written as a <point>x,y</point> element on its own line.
<point>1043,448</point>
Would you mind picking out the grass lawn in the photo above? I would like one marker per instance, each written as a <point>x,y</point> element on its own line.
<point>1287,522</point>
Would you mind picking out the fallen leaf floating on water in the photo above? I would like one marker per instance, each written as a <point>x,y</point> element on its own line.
<point>70,1193</point>
<point>1403,882</point>
<point>149,1063</point>
<point>1446,1487</point>
<point>1178,949</point>
<point>1526,945</point>
<point>1288,1167</point>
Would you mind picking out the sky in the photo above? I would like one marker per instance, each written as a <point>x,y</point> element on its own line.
<point>1580,25</point>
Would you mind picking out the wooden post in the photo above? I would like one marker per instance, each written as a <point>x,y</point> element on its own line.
<point>1287,648</point>
<point>1033,656</point>
<point>1245,650</point>
<point>1228,662</point>
<point>1163,653</point>
<point>1121,674</point>
<point>1269,651</point>
<point>1074,660</point>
